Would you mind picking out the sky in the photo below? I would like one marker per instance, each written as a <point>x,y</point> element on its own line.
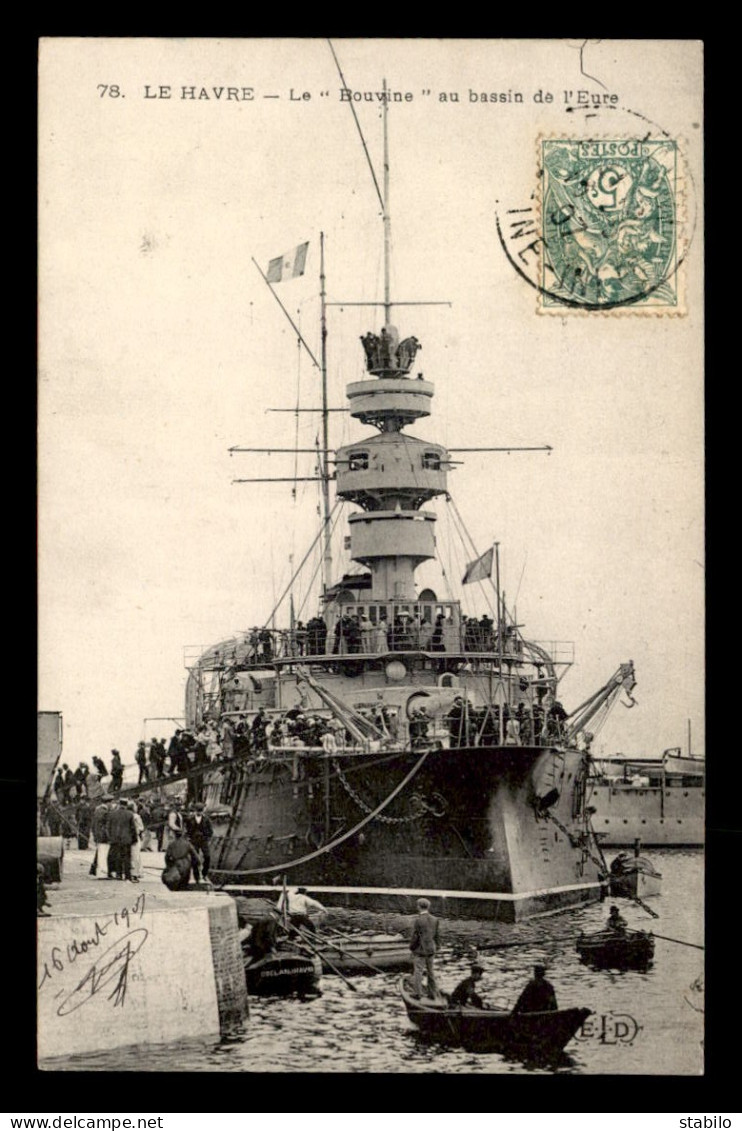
<point>161,348</point>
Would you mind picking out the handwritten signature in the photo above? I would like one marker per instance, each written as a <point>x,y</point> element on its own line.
<point>59,957</point>
<point>111,966</point>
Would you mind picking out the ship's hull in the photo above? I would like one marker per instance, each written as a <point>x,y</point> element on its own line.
<point>669,817</point>
<point>487,832</point>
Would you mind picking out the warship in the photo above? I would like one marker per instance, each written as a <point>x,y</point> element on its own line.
<point>659,801</point>
<point>392,747</point>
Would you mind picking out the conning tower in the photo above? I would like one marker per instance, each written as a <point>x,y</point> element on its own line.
<point>391,475</point>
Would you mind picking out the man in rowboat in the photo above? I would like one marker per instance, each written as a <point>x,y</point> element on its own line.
<point>423,947</point>
<point>299,907</point>
<point>538,996</point>
<point>616,921</point>
<point>465,993</point>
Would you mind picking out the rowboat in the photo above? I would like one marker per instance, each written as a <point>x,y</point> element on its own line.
<point>283,973</point>
<point>620,950</point>
<point>634,876</point>
<point>365,953</point>
<point>286,969</point>
<point>530,1036</point>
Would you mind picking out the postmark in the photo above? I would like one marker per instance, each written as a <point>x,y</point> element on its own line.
<point>609,225</point>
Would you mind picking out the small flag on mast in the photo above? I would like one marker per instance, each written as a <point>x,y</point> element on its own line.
<point>288,266</point>
<point>479,569</point>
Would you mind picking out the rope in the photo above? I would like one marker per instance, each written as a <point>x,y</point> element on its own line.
<point>333,844</point>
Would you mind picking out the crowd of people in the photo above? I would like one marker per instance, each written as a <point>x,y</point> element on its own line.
<point>357,634</point>
<point>155,761</point>
<point>510,726</point>
<point>123,829</point>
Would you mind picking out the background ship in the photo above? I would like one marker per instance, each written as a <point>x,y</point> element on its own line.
<point>660,801</point>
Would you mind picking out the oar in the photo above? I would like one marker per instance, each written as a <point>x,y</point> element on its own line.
<point>324,957</point>
<point>303,935</point>
<point>527,942</point>
<point>680,942</point>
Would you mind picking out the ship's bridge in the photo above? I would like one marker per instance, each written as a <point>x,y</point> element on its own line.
<point>391,626</point>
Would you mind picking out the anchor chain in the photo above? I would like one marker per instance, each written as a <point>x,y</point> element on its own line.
<point>578,841</point>
<point>573,840</point>
<point>420,804</point>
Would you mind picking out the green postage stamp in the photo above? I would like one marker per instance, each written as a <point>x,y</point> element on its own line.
<point>609,225</point>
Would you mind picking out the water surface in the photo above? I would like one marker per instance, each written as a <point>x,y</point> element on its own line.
<point>643,1023</point>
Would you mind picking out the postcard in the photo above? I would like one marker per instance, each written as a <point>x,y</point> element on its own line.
<point>371,535</point>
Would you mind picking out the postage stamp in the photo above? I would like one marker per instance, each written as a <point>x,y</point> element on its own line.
<point>610,215</point>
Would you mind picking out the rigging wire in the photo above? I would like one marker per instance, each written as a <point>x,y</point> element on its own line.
<point>296,415</point>
<point>320,548</point>
<point>319,560</point>
<point>358,125</point>
<point>446,582</point>
<point>517,591</point>
<point>469,598</point>
<point>300,567</point>
<point>449,544</point>
<point>477,554</point>
<point>465,596</point>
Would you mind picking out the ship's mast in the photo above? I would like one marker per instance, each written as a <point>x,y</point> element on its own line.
<point>387,217</point>
<point>327,540</point>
